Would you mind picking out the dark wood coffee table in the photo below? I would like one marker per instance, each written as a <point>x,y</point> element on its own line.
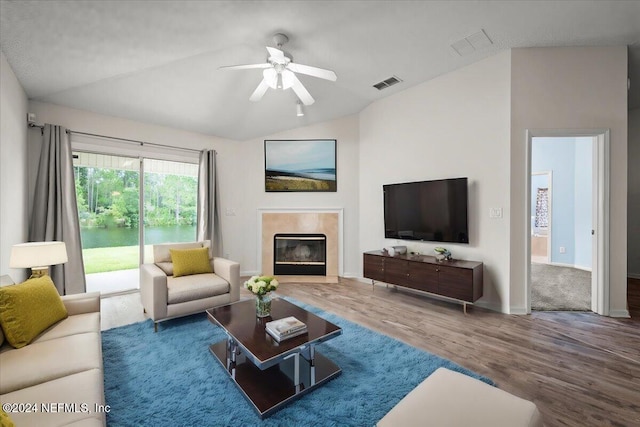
<point>272,374</point>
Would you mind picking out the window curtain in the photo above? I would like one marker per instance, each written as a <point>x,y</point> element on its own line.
<point>208,202</point>
<point>55,212</point>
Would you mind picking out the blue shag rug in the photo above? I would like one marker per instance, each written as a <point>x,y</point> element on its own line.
<point>170,378</point>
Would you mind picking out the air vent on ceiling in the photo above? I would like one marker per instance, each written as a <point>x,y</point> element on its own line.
<point>386,83</point>
<point>470,44</point>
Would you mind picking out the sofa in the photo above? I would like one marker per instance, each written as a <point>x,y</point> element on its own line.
<point>57,379</point>
<point>452,399</point>
<point>166,295</point>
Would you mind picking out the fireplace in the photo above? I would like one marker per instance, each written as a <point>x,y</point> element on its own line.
<point>300,254</point>
<point>300,222</point>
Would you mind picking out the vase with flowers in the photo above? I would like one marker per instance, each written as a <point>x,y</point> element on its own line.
<point>261,286</point>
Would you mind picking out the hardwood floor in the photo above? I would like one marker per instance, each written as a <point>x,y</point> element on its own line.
<point>581,369</point>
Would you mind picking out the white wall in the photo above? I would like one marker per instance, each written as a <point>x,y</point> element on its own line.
<point>455,125</point>
<point>570,88</point>
<point>13,167</point>
<point>240,173</point>
<point>248,187</point>
<point>633,216</point>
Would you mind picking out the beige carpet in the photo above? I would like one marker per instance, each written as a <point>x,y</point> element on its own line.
<point>556,288</point>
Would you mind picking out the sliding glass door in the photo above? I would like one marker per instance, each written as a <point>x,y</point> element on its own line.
<point>108,190</point>
<point>170,197</point>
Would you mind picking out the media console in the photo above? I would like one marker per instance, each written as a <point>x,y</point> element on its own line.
<point>457,279</point>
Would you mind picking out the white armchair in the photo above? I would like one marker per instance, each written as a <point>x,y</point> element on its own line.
<point>166,297</point>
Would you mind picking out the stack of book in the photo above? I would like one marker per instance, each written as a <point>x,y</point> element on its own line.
<point>286,328</point>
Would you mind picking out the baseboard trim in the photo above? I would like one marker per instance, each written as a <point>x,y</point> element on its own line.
<point>518,311</point>
<point>620,313</point>
<point>489,306</point>
<point>577,267</point>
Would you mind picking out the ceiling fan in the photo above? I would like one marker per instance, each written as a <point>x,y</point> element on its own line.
<point>279,72</point>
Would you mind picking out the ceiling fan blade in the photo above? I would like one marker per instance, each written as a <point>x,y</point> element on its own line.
<point>260,91</point>
<point>244,67</point>
<point>276,54</point>
<point>301,91</point>
<point>312,71</point>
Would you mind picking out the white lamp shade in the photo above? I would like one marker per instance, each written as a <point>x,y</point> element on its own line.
<point>38,254</point>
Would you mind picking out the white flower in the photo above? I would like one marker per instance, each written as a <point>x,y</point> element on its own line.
<point>261,284</point>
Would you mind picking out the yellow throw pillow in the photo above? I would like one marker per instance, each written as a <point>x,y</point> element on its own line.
<point>190,261</point>
<point>5,420</point>
<point>28,309</point>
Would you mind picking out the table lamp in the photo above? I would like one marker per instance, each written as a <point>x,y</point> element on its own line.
<point>38,256</point>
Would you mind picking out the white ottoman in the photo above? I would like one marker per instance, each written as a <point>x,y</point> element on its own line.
<point>448,399</point>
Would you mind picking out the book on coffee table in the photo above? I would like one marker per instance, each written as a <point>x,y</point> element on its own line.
<point>285,328</point>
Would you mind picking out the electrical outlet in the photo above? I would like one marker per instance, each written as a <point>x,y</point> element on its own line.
<point>495,212</point>
<point>230,212</point>
<point>563,250</point>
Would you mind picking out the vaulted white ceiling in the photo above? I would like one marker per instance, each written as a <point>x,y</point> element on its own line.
<point>157,61</point>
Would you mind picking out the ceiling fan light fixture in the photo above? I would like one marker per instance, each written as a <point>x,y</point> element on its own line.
<point>287,79</point>
<point>279,81</point>
<point>299,109</point>
<point>271,77</point>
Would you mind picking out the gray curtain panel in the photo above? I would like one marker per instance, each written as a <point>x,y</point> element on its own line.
<point>208,202</point>
<point>55,211</point>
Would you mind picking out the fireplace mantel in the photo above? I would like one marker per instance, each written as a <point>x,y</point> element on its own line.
<point>327,221</point>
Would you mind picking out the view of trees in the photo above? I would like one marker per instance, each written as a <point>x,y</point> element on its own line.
<point>109,198</point>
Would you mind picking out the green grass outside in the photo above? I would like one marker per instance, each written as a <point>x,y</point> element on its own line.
<point>100,260</point>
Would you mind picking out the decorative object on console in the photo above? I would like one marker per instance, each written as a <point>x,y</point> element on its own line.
<point>261,286</point>
<point>396,250</point>
<point>38,256</point>
<point>300,165</point>
<point>442,254</point>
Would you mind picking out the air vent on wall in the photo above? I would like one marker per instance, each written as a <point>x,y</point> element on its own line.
<point>386,83</point>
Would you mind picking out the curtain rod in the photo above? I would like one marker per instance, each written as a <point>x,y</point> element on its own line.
<point>132,141</point>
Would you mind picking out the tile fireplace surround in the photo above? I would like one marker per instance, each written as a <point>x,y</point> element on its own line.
<point>321,221</point>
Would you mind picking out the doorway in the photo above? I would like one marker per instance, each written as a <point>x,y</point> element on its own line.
<point>118,226</point>
<point>569,215</point>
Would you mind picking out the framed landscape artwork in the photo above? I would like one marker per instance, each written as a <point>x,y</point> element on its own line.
<point>300,165</point>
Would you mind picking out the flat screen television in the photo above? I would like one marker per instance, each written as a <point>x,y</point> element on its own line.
<point>434,211</point>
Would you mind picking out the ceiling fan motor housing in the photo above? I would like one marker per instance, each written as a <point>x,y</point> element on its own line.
<point>280,39</point>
